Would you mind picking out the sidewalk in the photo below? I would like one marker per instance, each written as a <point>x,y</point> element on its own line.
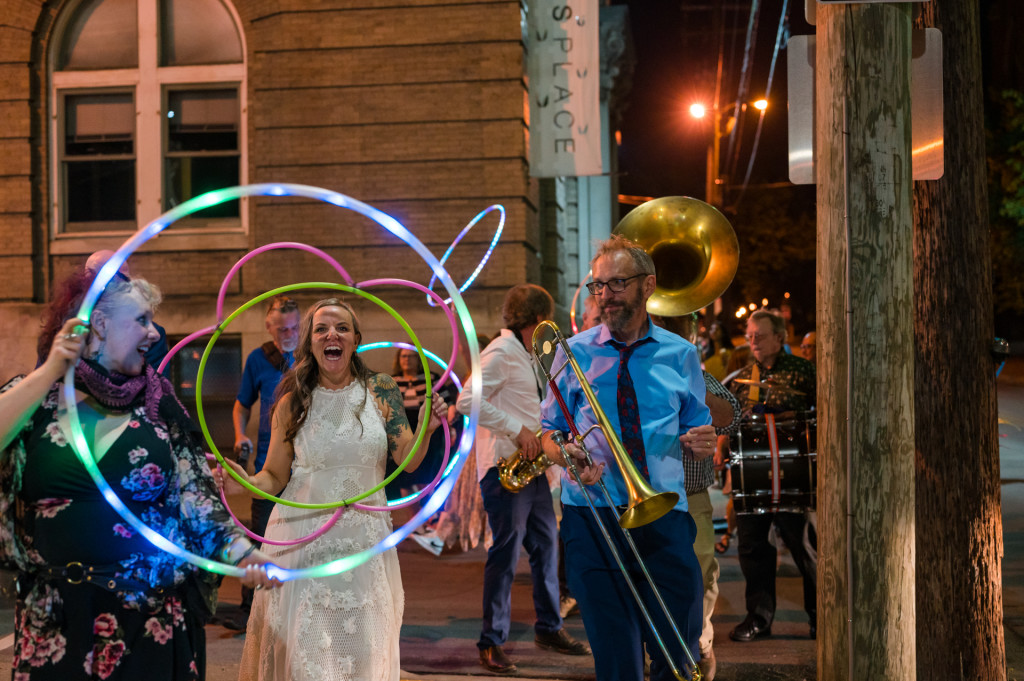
<point>442,621</point>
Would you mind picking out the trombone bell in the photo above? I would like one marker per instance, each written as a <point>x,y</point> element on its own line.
<point>646,506</point>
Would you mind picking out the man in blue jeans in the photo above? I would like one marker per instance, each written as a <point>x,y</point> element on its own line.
<point>263,370</point>
<point>509,420</point>
<point>649,384</point>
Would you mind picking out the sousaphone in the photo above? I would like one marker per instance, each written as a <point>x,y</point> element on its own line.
<point>693,247</point>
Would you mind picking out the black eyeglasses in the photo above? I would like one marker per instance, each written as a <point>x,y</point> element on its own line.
<point>614,285</point>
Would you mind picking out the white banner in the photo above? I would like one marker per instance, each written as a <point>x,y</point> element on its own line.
<point>564,75</point>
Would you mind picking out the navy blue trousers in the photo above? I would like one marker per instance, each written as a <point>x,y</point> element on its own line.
<point>525,518</point>
<point>616,629</point>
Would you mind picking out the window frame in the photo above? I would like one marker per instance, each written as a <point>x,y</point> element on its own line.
<point>60,143</point>
<point>148,84</point>
<point>193,223</point>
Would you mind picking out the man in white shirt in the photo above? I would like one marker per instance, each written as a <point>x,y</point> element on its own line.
<point>510,420</point>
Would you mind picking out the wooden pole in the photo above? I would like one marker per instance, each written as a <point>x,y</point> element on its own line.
<point>959,522</point>
<point>866,358</point>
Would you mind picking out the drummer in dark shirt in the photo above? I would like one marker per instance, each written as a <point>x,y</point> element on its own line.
<point>776,383</point>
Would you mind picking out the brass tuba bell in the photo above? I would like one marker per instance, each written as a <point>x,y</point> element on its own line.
<point>693,247</point>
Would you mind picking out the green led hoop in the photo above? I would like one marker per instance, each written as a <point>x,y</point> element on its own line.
<point>107,272</point>
<point>259,299</point>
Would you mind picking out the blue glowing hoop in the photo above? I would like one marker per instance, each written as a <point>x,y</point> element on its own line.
<point>483,260</point>
<point>458,386</point>
<point>107,272</point>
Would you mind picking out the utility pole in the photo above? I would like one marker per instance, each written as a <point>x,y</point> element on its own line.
<point>866,616</point>
<point>713,187</point>
<point>959,519</point>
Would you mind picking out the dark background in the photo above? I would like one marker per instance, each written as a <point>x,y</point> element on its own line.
<point>663,149</point>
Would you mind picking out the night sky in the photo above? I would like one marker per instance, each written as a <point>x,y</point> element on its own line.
<point>664,150</point>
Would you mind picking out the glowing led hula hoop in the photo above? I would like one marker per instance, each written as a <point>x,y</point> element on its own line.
<point>399,503</point>
<point>487,253</point>
<point>345,277</point>
<point>391,505</point>
<point>106,273</point>
<point>259,299</point>
<point>412,498</point>
<point>575,297</point>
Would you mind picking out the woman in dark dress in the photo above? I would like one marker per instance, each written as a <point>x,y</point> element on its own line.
<point>95,600</point>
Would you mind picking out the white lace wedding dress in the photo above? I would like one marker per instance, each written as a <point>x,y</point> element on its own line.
<point>346,626</point>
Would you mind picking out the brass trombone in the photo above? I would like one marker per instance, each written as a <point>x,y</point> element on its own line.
<point>645,503</point>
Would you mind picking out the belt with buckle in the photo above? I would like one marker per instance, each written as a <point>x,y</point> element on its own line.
<point>103,576</point>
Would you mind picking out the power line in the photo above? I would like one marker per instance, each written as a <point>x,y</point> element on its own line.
<point>767,95</point>
<point>744,82</point>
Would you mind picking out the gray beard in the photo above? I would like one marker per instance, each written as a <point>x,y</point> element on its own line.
<point>617,321</point>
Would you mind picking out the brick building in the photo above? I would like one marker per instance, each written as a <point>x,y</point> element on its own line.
<point>114,111</point>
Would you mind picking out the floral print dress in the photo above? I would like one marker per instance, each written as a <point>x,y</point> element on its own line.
<point>151,625</point>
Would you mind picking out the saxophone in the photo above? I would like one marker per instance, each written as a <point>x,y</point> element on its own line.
<point>516,471</point>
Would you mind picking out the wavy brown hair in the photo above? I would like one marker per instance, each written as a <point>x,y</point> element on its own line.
<point>304,377</point>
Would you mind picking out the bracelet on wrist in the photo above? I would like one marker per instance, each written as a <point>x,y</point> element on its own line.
<point>248,552</point>
<point>226,553</point>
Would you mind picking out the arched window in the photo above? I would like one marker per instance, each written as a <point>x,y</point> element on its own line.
<point>146,109</point>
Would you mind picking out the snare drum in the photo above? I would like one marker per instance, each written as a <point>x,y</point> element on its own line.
<point>774,463</point>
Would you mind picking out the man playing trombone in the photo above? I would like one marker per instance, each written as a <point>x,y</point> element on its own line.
<point>649,386</point>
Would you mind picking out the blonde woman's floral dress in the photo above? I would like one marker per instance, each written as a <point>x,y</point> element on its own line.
<point>143,616</point>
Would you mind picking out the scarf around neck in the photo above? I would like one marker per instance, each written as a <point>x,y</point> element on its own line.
<point>118,392</point>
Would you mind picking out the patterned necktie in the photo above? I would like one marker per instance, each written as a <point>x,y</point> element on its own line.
<point>629,410</point>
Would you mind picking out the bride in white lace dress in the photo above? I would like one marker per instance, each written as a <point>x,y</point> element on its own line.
<point>333,426</point>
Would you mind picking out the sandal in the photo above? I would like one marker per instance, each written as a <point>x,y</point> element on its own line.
<point>722,545</point>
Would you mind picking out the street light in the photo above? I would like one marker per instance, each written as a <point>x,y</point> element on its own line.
<point>713,179</point>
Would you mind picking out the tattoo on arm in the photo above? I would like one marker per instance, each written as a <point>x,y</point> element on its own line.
<point>396,424</point>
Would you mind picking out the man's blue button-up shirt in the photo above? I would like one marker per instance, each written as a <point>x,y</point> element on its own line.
<point>670,392</point>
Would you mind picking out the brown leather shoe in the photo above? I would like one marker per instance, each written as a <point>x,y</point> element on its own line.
<point>561,642</point>
<point>494,659</point>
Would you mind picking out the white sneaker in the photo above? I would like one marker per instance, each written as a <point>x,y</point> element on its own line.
<point>430,542</point>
